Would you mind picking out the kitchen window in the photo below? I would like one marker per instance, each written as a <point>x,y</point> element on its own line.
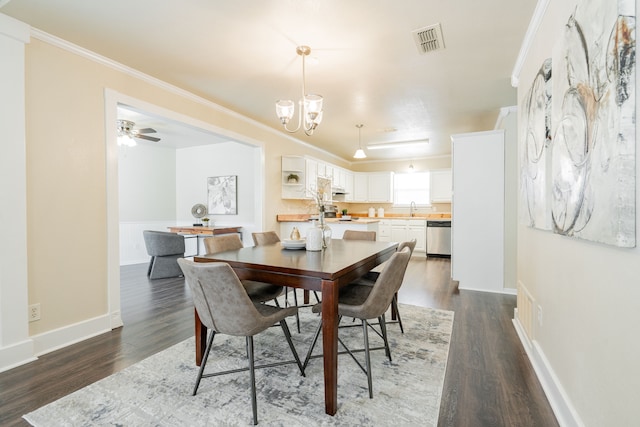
<point>411,187</point>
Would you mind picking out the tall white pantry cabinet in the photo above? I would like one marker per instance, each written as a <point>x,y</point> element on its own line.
<point>477,257</point>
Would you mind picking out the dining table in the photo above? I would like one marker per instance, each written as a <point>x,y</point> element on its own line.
<point>325,271</point>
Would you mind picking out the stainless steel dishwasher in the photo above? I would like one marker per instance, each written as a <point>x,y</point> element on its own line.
<point>439,238</point>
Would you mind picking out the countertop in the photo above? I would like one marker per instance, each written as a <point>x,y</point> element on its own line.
<point>364,219</point>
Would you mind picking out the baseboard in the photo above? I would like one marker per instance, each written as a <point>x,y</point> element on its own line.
<point>15,355</point>
<point>59,338</point>
<point>505,291</point>
<point>562,408</point>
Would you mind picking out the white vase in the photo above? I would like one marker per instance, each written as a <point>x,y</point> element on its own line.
<point>314,238</point>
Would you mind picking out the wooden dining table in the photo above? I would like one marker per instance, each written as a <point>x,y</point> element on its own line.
<point>325,271</point>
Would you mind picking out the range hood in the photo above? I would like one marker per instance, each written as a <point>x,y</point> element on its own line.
<point>337,191</point>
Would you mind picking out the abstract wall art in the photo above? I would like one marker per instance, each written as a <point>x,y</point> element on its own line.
<point>593,144</point>
<point>535,168</point>
<point>222,195</point>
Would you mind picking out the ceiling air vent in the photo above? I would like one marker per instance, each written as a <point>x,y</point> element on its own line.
<point>429,39</point>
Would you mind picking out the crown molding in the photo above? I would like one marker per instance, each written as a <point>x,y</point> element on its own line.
<point>534,24</point>
<point>93,56</point>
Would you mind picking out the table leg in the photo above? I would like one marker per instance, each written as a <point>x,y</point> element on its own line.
<point>201,337</point>
<point>330,345</point>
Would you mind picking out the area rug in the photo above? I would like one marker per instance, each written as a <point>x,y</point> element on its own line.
<point>157,391</point>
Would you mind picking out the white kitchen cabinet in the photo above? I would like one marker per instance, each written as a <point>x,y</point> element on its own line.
<point>373,187</point>
<point>403,230</point>
<point>293,177</point>
<point>441,186</point>
<point>360,187</point>
<point>312,175</point>
<point>348,186</point>
<point>384,230</point>
<point>380,187</point>
<point>417,229</point>
<point>477,220</point>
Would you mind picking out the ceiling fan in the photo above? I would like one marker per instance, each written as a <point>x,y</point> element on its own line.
<point>126,129</point>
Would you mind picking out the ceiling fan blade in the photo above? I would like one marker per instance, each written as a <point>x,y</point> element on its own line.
<point>148,138</point>
<point>146,130</point>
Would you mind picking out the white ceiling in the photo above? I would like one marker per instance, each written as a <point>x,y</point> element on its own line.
<point>242,55</point>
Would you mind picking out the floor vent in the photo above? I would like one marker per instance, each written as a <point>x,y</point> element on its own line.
<point>429,39</point>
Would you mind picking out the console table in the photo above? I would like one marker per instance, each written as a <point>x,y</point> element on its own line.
<point>201,231</point>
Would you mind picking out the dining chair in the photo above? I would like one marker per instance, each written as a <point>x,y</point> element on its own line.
<point>258,291</point>
<point>224,307</point>
<point>262,238</point>
<point>371,277</point>
<point>359,235</point>
<point>368,302</point>
<point>265,238</point>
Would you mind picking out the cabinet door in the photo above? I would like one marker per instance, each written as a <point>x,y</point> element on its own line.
<point>441,186</point>
<point>312,176</point>
<point>360,187</point>
<point>348,186</point>
<point>398,233</point>
<point>418,230</point>
<point>384,231</point>
<point>380,187</point>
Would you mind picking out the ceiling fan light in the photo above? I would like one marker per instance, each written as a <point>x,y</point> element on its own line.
<point>126,141</point>
<point>359,154</point>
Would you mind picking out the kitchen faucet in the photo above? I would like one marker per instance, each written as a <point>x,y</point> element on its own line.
<point>412,208</point>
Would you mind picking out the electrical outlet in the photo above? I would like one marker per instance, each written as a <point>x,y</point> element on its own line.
<point>540,315</point>
<point>34,312</point>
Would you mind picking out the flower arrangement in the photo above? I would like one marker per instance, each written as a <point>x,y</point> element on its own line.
<point>205,221</point>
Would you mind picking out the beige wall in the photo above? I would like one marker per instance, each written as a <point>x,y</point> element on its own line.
<point>589,293</point>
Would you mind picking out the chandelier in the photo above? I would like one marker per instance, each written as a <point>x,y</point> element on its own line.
<point>359,152</point>
<point>309,106</point>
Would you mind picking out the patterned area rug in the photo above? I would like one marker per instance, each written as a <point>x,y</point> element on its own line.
<point>157,390</point>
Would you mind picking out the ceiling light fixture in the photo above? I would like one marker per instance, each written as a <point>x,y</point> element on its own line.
<point>125,127</point>
<point>402,144</point>
<point>411,169</point>
<point>310,105</point>
<point>359,152</point>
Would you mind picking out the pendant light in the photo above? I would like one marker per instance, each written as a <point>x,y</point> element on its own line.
<point>309,105</point>
<point>359,152</point>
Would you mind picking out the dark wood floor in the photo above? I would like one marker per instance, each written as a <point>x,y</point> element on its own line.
<point>489,380</point>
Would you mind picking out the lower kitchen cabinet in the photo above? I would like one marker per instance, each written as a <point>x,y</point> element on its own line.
<point>403,230</point>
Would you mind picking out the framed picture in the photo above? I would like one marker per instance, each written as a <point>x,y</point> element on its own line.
<point>222,195</point>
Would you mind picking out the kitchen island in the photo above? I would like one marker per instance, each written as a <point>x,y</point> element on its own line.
<point>338,226</point>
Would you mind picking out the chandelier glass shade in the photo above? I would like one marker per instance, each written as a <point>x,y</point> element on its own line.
<point>309,105</point>
<point>360,154</point>
<point>125,128</point>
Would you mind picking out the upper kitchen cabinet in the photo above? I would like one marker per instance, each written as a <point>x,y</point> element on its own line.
<point>374,187</point>
<point>441,186</point>
<point>293,177</point>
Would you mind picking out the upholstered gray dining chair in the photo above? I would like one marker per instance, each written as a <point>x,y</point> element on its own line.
<point>371,277</point>
<point>359,235</point>
<point>366,302</point>
<point>164,248</point>
<point>258,291</point>
<point>265,238</point>
<point>224,307</point>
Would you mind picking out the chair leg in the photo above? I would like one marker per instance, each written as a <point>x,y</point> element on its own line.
<point>252,374</point>
<point>295,301</point>
<point>313,344</point>
<point>150,266</point>
<point>367,357</point>
<point>383,329</point>
<point>394,307</point>
<point>204,361</point>
<point>287,335</point>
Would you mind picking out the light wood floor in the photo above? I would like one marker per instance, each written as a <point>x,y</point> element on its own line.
<point>489,380</point>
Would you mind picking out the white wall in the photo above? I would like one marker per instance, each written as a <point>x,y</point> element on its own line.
<point>147,197</point>
<point>158,187</point>
<point>585,348</point>
<point>193,167</point>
